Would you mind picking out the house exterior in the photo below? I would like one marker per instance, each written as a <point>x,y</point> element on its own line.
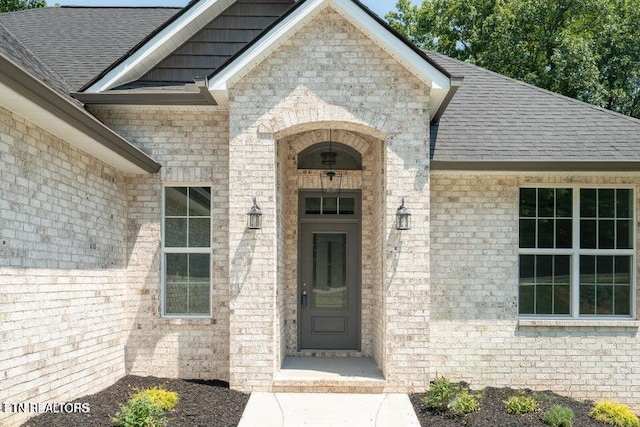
<point>134,140</point>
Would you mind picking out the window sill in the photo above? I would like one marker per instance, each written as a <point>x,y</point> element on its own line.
<point>579,323</point>
<point>187,321</point>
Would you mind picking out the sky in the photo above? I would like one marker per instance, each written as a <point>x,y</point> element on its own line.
<point>381,7</point>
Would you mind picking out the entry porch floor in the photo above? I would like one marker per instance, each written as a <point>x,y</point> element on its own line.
<point>329,375</point>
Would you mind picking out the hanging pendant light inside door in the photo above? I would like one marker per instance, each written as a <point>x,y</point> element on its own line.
<point>330,180</point>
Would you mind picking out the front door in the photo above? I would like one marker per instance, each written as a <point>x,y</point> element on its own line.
<point>329,274</point>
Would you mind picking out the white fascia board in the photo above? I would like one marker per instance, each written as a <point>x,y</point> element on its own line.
<point>41,117</point>
<point>417,65</point>
<point>161,45</point>
<point>391,44</point>
<point>436,98</point>
<point>221,82</point>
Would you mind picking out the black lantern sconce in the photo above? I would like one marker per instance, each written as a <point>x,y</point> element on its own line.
<point>403,218</point>
<point>330,180</point>
<point>254,217</point>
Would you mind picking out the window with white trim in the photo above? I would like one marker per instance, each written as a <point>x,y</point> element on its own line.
<point>186,251</point>
<point>576,252</point>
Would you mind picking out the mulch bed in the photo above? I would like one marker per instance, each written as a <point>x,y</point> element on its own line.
<point>492,413</point>
<point>201,404</point>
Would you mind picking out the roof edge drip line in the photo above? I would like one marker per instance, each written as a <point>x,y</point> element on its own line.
<point>39,93</point>
<point>185,98</point>
<point>536,166</point>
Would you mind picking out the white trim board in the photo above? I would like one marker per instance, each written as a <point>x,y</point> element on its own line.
<point>161,45</point>
<point>179,31</point>
<point>417,65</point>
<point>247,61</point>
<point>63,129</point>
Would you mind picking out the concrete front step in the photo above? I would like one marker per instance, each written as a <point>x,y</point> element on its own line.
<point>354,387</point>
<point>329,375</point>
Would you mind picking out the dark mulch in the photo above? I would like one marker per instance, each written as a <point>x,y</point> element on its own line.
<point>201,404</point>
<point>492,413</point>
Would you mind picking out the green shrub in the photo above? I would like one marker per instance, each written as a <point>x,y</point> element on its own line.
<point>440,394</point>
<point>615,414</point>
<point>140,411</point>
<point>146,408</point>
<point>521,404</point>
<point>464,403</point>
<point>559,416</point>
<point>167,400</point>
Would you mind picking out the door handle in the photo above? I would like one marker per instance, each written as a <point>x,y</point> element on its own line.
<point>303,299</point>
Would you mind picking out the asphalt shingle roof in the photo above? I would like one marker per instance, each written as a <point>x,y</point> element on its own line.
<point>496,118</point>
<point>79,42</point>
<point>15,50</point>
<point>490,118</point>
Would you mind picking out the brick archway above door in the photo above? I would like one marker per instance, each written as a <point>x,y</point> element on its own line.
<point>297,120</point>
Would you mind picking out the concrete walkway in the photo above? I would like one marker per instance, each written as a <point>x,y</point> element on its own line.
<point>328,410</point>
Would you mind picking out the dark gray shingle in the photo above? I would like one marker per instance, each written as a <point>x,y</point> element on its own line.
<point>219,40</point>
<point>495,118</point>
<point>79,42</point>
<point>12,48</point>
<point>491,117</point>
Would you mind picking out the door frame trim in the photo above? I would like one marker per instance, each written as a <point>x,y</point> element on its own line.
<point>318,219</point>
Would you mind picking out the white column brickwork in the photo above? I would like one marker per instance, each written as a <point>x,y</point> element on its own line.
<point>329,74</point>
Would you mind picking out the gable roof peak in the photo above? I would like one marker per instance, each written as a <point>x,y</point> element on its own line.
<point>408,55</point>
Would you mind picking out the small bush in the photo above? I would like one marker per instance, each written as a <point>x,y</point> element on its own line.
<point>615,414</point>
<point>167,400</point>
<point>559,416</point>
<point>146,408</point>
<point>464,403</point>
<point>440,394</point>
<point>140,411</point>
<point>521,404</point>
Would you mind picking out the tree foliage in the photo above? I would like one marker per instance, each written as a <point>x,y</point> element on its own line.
<point>13,5</point>
<point>585,49</point>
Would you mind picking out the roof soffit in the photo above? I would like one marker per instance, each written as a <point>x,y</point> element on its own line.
<point>27,96</point>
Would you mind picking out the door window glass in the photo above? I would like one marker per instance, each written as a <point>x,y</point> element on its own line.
<point>329,280</point>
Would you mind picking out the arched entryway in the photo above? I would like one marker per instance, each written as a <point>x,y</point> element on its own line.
<point>339,319</point>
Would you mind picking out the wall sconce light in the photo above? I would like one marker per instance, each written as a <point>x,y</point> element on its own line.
<point>403,218</point>
<point>254,217</point>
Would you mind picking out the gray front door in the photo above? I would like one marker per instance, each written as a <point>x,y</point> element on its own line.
<point>329,282</point>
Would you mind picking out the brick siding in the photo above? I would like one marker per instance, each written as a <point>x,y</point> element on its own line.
<point>62,269</point>
<point>475,334</point>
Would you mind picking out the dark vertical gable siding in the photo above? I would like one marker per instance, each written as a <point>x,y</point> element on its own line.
<point>218,40</point>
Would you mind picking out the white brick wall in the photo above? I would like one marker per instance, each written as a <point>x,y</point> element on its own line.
<point>329,74</point>
<point>474,331</point>
<point>440,299</point>
<point>78,238</point>
<point>62,269</point>
<point>191,144</point>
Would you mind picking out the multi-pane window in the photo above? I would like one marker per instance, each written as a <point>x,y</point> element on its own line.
<point>576,252</point>
<point>606,227</point>
<point>187,251</point>
<point>545,284</point>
